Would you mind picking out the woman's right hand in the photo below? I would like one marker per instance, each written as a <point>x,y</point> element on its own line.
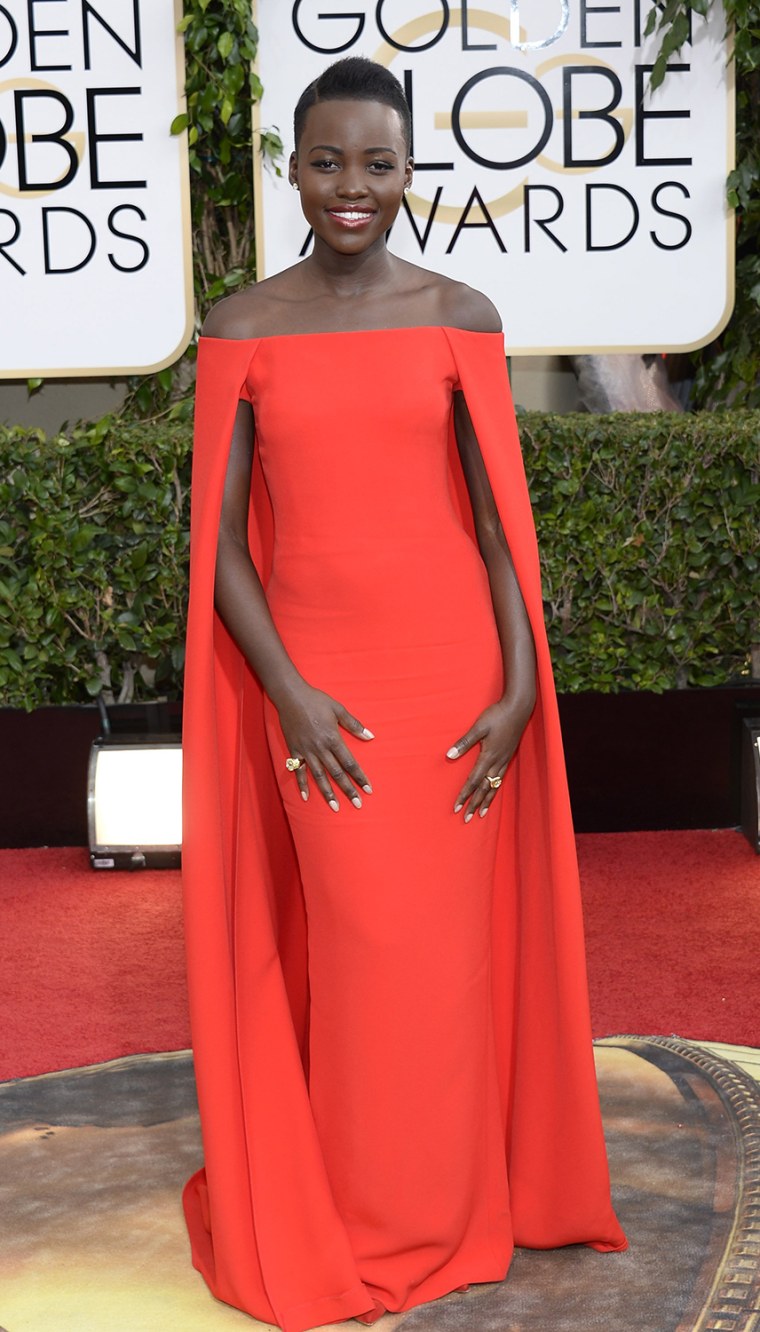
<point>310,721</point>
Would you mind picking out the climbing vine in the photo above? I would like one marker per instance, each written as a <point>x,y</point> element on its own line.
<point>728,370</point>
<point>220,45</point>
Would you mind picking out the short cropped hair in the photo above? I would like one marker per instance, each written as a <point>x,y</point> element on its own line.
<point>354,79</point>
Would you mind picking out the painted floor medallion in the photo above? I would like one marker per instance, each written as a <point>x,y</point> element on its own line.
<point>92,1162</point>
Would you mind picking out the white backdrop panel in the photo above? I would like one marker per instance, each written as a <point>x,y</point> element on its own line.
<point>95,259</point>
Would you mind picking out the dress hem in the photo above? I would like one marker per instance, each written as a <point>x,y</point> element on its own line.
<point>329,1309</point>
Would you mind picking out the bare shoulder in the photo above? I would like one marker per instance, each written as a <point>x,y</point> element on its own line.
<point>250,313</point>
<point>468,309</point>
<point>453,304</point>
<point>232,317</point>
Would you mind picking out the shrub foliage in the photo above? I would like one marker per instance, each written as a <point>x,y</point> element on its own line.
<point>647,526</point>
<point>93,562</point>
<point>650,545</point>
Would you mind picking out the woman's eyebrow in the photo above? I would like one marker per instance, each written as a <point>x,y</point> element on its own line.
<point>331,148</point>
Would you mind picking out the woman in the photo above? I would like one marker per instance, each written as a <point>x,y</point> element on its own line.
<point>387,988</point>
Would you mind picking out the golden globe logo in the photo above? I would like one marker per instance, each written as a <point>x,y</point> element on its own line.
<point>585,90</point>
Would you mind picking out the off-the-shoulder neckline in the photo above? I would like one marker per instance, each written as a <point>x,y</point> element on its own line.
<point>356,332</point>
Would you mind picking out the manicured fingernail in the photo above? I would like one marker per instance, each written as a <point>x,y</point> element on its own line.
<point>453,752</point>
<point>367,734</point>
<point>304,795</point>
<point>457,807</point>
<point>368,789</point>
<point>334,805</point>
<point>468,816</point>
<point>483,811</point>
<point>356,801</point>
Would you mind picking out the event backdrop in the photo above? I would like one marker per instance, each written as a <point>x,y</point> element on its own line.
<point>95,259</point>
<point>591,210</point>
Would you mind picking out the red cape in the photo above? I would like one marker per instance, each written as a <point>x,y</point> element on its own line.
<point>264,1229</point>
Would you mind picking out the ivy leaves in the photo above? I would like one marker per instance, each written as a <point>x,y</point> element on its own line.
<point>728,371</point>
<point>673,22</point>
<point>220,42</point>
<point>220,47</point>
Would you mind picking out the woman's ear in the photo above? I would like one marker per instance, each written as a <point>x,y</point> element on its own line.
<point>293,171</point>
<point>408,173</point>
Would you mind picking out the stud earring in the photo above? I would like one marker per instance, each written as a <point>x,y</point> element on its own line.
<point>294,184</point>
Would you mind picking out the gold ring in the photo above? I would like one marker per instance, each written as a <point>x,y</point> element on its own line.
<point>293,764</point>
<point>494,782</point>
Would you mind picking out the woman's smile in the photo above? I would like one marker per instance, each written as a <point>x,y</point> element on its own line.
<point>351,217</point>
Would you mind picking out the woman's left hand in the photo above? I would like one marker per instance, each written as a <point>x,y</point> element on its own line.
<point>498,730</point>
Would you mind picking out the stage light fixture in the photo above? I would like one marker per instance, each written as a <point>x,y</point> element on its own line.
<point>134,802</point>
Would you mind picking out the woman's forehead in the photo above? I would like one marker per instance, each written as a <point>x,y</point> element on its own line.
<point>350,124</point>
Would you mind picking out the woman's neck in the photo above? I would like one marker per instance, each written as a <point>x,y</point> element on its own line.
<point>349,275</point>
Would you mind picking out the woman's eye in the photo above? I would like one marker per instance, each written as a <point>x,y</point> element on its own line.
<point>382,166</point>
<point>324,163</point>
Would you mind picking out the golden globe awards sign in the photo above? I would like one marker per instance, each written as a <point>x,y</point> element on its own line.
<point>95,266</point>
<point>590,209</point>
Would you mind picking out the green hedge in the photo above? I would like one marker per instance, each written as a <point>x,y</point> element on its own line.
<point>93,562</point>
<point>648,527</point>
<point>650,545</point>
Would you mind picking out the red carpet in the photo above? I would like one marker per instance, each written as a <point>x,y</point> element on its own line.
<point>91,963</point>
<point>673,934</point>
<point>92,966</point>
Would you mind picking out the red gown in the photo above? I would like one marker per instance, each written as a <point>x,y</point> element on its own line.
<point>389,1007</point>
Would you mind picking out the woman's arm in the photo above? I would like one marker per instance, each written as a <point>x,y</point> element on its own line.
<point>309,718</point>
<point>499,728</point>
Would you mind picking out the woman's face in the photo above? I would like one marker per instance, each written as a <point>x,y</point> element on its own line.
<point>351,168</point>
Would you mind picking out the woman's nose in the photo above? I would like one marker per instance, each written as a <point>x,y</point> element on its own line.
<point>352,185</point>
